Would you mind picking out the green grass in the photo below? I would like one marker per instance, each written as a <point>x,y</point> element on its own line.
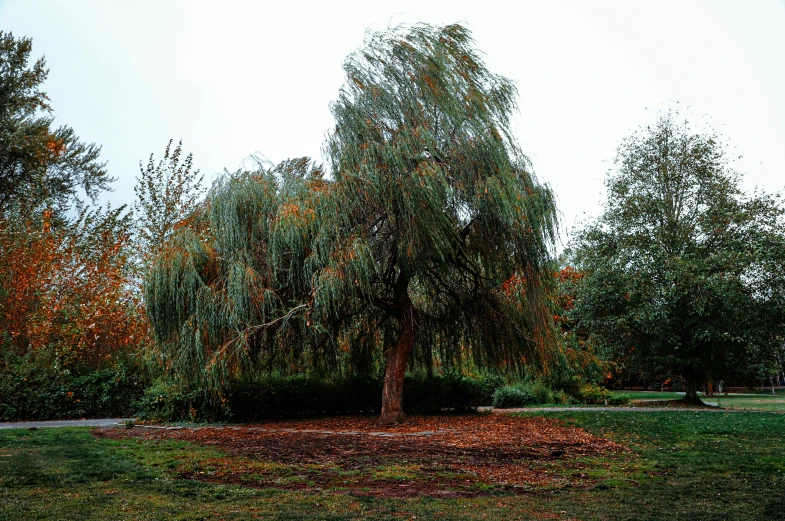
<point>743,402</point>
<point>750,402</point>
<point>684,465</point>
<point>692,465</point>
<point>649,395</point>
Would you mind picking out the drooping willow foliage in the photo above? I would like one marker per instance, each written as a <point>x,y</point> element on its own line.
<point>431,187</point>
<point>221,294</point>
<point>432,218</point>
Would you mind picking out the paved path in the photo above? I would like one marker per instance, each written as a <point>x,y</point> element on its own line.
<point>102,422</point>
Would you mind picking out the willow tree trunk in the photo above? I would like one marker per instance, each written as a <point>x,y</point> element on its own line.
<point>396,359</point>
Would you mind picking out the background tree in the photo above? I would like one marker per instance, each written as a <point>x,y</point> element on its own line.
<point>40,166</point>
<point>64,297</point>
<point>227,293</point>
<point>433,238</point>
<point>167,192</point>
<point>66,309</point>
<point>684,271</point>
<point>575,360</point>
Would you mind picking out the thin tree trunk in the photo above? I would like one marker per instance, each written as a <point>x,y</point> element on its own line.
<point>691,391</point>
<point>396,359</point>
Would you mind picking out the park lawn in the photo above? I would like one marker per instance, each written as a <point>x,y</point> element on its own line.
<point>649,395</point>
<point>750,402</point>
<point>698,466</point>
<point>684,465</point>
<point>743,402</point>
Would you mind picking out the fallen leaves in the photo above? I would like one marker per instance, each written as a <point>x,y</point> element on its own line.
<point>432,455</point>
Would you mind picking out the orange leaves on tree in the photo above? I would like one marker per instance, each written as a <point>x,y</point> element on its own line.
<point>70,299</point>
<point>55,146</point>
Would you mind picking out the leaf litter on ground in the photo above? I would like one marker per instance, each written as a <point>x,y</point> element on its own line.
<point>442,456</point>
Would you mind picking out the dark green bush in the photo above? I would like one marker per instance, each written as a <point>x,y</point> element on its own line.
<point>308,396</point>
<point>517,395</point>
<point>449,392</point>
<point>561,397</point>
<point>541,393</point>
<point>28,392</point>
<point>171,401</point>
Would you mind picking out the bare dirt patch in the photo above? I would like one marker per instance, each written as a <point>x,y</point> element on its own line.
<point>445,456</point>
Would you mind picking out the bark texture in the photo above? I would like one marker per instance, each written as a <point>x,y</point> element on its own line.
<point>396,359</point>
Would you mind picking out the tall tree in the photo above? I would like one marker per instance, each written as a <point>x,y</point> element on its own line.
<point>40,166</point>
<point>167,192</point>
<point>437,224</point>
<point>431,244</point>
<point>64,292</point>
<point>683,270</point>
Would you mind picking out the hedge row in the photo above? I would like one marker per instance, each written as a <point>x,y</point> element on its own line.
<point>536,393</point>
<point>308,396</point>
<point>33,394</point>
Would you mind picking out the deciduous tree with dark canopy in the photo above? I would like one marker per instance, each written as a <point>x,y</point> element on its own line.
<point>683,270</point>
<point>431,243</point>
<point>166,193</point>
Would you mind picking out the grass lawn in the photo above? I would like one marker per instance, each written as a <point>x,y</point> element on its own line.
<point>751,402</point>
<point>683,465</point>
<point>649,395</point>
<point>744,402</point>
<point>692,465</point>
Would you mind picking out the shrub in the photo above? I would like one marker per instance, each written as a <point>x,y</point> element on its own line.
<point>570,384</point>
<point>448,392</point>
<point>310,395</point>
<point>592,394</point>
<point>513,396</point>
<point>30,392</point>
<point>165,400</point>
<point>561,397</point>
<point>618,400</point>
<point>541,393</point>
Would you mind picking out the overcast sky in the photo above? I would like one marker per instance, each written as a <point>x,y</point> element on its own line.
<point>236,78</point>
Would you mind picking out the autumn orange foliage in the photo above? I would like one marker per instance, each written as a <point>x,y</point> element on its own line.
<point>66,299</point>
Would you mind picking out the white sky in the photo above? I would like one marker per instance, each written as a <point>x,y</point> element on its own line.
<point>235,78</point>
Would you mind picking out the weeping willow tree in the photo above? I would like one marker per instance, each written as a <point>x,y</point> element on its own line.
<point>436,231</point>
<point>430,244</point>
<point>225,293</point>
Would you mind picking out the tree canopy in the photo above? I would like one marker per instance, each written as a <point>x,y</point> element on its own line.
<point>683,270</point>
<point>430,243</point>
<point>40,166</point>
<point>64,296</point>
<point>166,193</point>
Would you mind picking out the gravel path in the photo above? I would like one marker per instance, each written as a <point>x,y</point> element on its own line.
<point>102,422</point>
